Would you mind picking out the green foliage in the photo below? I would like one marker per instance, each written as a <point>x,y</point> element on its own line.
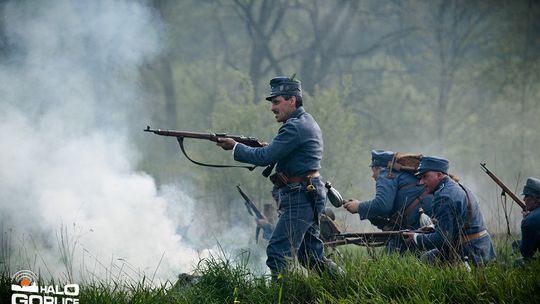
<point>459,79</point>
<point>5,287</point>
<point>383,279</point>
<point>344,148</point>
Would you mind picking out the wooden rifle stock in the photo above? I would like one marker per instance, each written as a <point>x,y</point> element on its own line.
<point>504,188</point>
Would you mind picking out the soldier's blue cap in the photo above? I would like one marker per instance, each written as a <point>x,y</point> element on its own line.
<point>532,187</point>
<point>282,85</point>
<point>380,158</point>
<point>432,163</point>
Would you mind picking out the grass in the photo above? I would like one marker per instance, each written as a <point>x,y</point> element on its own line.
<point>379,279</point>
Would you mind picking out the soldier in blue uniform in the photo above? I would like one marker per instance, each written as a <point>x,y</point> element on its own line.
<point>296,151</point>
<point>459,232</point>
<point>530,225</point>
<point>397,200</point>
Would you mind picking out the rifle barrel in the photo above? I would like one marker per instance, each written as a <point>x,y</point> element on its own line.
<point>249,141</point>
<point>503,186</point>
<point>371,234</point>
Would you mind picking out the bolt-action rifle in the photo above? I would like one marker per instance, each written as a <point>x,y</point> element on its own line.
<point>505,189</point>
<point>252,209</point>
<point>180,135</point>
<point>368,239</point>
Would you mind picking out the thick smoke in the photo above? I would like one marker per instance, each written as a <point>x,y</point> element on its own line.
<point>66,164</point>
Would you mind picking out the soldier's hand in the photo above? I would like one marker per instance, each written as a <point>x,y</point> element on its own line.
<point>408,237</point>
<point>426,228</point>
<point>352,205</point>
<point>226,143</point>
<point>261,222</point>
<point>525,213</point>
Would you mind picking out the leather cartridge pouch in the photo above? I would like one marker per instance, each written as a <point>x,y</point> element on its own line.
<point>279,179</point>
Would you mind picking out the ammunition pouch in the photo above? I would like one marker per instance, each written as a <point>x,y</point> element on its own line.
<point>279,179</point>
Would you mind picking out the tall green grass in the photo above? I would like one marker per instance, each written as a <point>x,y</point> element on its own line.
<point>370,279</point>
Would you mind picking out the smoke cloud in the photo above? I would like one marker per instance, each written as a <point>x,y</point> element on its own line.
<point>66,163</point>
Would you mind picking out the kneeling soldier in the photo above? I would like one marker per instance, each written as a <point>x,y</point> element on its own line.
<point>460,230</point>
<point>397,200</point>
<point>530,225</point>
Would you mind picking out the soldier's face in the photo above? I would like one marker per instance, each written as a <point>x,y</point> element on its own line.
<point>431,180</point>
<point>283,108</point>
<point>530,201</point>
<point>376,171</point>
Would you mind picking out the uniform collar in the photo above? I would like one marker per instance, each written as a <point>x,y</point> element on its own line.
<point>443,182</point>
<point>297,113</point>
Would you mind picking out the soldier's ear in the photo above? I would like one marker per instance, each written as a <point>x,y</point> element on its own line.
<point>292,99</point>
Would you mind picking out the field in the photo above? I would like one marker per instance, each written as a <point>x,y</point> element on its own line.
<point>370,278</point>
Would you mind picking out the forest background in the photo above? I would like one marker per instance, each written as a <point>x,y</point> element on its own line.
<point>458,79</point>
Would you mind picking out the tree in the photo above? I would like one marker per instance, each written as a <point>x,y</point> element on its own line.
<point>455,37</point>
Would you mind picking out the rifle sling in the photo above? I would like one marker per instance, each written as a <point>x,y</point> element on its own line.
<point>467,223</point>
<point>398,217</point>
<point>415,203</point>
<point>181,143</point>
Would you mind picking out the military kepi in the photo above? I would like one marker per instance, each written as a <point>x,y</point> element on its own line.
<point>532,187</point>
<point>432,163</point>
<point>380,158</point>
<point>281,85</point>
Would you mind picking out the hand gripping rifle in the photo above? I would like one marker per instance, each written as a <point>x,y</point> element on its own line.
<point>180,135</point>
<point>505,190</point>
<point>252,209</point>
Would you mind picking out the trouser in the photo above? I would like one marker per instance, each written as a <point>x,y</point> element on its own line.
<point>478,251</point>
<point>297,231</point>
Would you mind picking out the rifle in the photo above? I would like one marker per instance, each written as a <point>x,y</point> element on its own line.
<point>252,209</point>
<point>369,239</point>
<point>505,189</point>
<point>180,135</point>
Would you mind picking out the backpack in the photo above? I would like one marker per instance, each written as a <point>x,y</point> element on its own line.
<point>404,162</point>
<point>409,162</point>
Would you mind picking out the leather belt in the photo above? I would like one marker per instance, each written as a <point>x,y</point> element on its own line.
<point>280,179</point>
<point>299,179</point>
<point>469,237</point>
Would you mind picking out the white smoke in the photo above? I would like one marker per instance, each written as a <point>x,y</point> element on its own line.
<point>69,79</point>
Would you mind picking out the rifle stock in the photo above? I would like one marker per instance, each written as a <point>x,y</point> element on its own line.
<point>504,188</point>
